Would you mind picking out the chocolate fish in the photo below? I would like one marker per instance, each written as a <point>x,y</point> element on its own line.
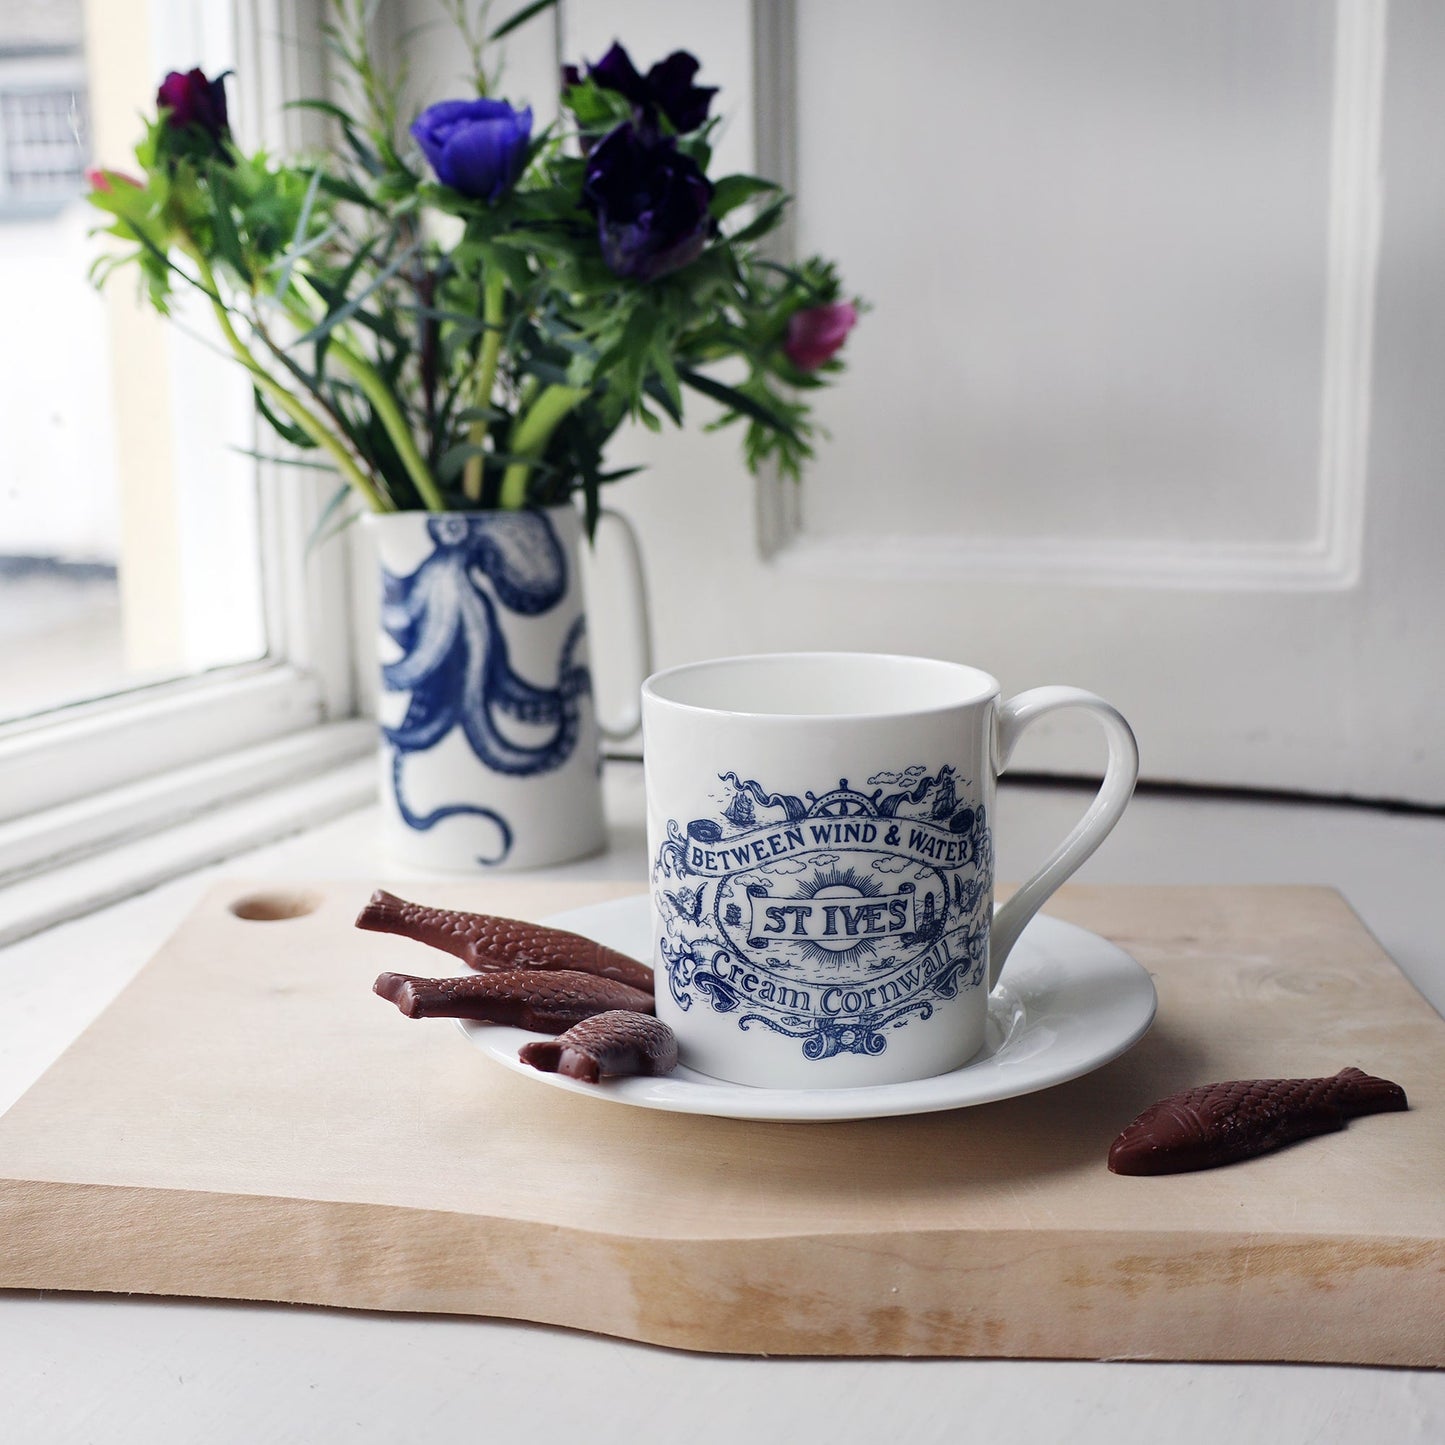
<point>487,942</point>
<point>610,1043</point>
<point>546,1003</point>
<point>1221,1123</point>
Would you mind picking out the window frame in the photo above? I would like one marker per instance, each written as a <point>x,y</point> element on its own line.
<point>21,202</point>
<point>82,777</point>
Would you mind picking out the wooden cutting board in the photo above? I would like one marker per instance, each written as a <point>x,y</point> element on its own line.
<point>247,1121</point>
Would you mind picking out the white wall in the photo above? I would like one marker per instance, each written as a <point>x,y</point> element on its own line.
<point>1148,400</point>
<point>1095,239</point>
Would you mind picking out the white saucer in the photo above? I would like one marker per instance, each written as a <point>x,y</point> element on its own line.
<point>1068,1002</point>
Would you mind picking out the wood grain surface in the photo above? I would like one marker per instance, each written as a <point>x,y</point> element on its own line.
<point>247,1121</point>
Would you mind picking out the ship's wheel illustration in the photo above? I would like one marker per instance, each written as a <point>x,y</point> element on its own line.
<point>843,802</point>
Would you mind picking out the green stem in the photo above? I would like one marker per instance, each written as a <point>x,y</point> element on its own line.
<point>493,295</point>
<point>530,438</point>
<point>298,413</point>
<point>383,403</point>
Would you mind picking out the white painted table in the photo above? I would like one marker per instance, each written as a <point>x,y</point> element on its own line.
<point>92,1367</point>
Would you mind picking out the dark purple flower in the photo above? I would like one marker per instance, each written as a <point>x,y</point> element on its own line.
<point>192,101</point>
<point>682,102</point>
<point>667,86</point>
<point>816,333</point>
<point>650,200</point>
<point>477,147</point>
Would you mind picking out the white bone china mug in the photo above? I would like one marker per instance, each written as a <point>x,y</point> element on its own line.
<point>820,837</point>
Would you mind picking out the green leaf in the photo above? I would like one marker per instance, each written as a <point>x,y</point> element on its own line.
<point>458,319</point>
<point>334,290</point>
<point>349,308</point>
<point>280,461</point>
<point>366,157</point>
<point>325,107</point>
<point>298,237</point>
<point>535,241</point>
<point>670,404</point>
<point>582,369</point>
<point>732,191</point>
<point>762,223</point>
<point>537,464</point>
<point>738,401</point>
<point>381,323</point>
<point>284,429</point>
<point>348,519</point>
<point>629,352</point>
<point>335,295</point>
<point>338,500</point>
<point>696,147</point>
<point>165,267</point>
<point>228,239</point>
<point>619,473</point>
<point>453,461</point>
<point>521,18</point>
<point>592,505</point>
<point>546,372</point>
<point>286,261</point>
<point>345,190</point>
<point>512,264</point>
<point>595,109</point>
<point>667,378</point>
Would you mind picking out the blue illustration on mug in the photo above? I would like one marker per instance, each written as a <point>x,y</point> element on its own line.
<point>830,918</point>
<point>455,662</point>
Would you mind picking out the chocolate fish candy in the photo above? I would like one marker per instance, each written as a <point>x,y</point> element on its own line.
<point>1221,1123</point>
<point>488,942</point>
<point>546,1003</point>
<point>610,1043</point>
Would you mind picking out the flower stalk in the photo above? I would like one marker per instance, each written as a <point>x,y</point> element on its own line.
<point>291,405</point>
<point>389,413</point>
<point>494,293</point>
<point>530,439</point>
<point>378,394</point>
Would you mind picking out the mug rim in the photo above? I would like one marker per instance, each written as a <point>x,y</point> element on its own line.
<point>986,688</point>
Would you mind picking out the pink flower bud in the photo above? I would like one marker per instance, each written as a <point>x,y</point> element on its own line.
<point>816,333</point>
<point>104,181</point>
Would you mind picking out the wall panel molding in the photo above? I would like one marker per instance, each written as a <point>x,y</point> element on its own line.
<point>1328,560</point>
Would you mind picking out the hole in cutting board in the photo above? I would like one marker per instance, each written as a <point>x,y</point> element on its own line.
<point>272,907</point>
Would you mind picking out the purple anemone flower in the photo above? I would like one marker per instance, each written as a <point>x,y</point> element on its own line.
<point>666,87</point>
<point>194,103</point>
<point>477,147</point>
<point>651,203</point>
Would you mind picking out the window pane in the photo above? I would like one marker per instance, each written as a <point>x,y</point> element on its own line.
<point>128,518</point>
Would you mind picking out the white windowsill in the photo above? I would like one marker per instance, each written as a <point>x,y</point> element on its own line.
<point>93,747</point>
<point>66,861</point>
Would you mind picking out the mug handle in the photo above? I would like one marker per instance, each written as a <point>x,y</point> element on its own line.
<point>1011,718</point>
<point>631,718</point>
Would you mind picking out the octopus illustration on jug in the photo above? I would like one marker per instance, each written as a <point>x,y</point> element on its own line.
<point>455,663</point>
<point>834,917</point>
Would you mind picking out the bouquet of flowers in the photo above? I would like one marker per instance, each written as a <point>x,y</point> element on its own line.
<point>591,273</point>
